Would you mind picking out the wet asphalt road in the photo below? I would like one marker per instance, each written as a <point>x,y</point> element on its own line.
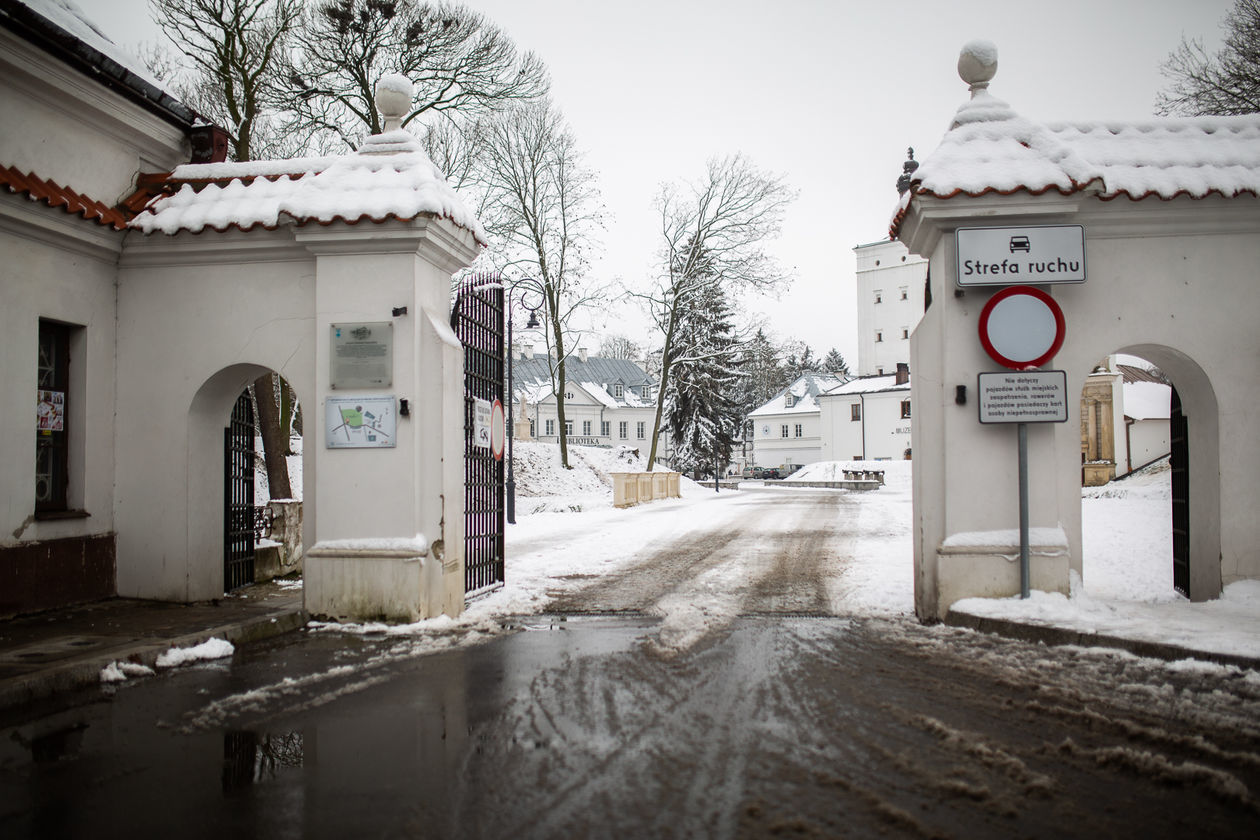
<point>781,721</point>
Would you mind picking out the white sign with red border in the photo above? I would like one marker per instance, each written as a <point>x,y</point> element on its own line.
<point>1022,327</point>
<point>497,430</point>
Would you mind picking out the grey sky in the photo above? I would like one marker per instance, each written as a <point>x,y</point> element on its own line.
<point>828,93</point>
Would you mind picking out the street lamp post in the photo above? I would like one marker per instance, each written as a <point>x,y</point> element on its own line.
<point>511,425</point>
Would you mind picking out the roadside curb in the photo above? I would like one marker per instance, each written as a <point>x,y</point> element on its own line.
<point>1051,635</point>
<point>85,671</point>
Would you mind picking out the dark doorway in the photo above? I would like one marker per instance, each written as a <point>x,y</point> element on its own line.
<point>1179,460</point>
<point>238,496</point>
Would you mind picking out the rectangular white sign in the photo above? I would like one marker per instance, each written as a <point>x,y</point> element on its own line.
<point>1031,396</point>
<point>481,423</point>
<point>360,422</point>
<point>1008,256</point>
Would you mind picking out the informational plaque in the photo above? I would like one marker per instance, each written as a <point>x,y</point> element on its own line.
<point>362,355</point>
<point>481,423</point>
<point>360,422</point>
<point>1030,396</point>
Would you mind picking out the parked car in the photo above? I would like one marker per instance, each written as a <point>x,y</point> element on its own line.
<point>762,472</point>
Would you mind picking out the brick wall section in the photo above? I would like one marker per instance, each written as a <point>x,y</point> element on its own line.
<point>43,575</point>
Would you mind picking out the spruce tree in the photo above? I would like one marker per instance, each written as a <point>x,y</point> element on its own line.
<point>702,407</point>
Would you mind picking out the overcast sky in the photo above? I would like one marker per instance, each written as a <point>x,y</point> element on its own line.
<point>827,93</point>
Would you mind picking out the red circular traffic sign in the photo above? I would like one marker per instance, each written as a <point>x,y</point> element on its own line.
<point>497,427</point>
<point>1021,327</point>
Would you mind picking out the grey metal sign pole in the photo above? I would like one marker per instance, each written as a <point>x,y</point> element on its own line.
<point>1023,510</point>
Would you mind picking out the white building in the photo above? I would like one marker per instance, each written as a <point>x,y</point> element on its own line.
<point>142,293</point>
<point>889,305</point>
<point>867,419</point>
<point>1171,224</point>
<point>607,402</point>
<point>787,430</point>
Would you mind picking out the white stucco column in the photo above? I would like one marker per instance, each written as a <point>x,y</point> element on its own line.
<point>389,533</point>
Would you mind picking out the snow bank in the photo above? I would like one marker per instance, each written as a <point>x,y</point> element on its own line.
<point>544,486</point>
<point>210,649</point>
<point>1226,625</point>
<point>119,671</point>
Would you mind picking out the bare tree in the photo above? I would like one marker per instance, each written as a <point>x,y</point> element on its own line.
<point>620,347</point>
<point>457,60</point>
<point>549,214</point>
<point>713,233</point>
<point>1225,83</point>
<point>234,49</point>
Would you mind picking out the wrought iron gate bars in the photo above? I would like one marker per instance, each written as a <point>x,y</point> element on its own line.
<point>238,495</point>
<point>477,318</point>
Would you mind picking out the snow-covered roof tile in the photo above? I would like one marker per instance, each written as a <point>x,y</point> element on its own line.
<point>804,392</point>
<point>389,177</point>
<point>599,394</point>
<point>991,149</point>
<point>868,385</point>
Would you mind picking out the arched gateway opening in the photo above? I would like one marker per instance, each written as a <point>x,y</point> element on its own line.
<point>224,458</point>
<point>1150,515</point>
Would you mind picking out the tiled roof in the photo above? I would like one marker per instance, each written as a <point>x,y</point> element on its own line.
<point>869,385</point>
<point>55,195</point>
<point>389,177</point>
<point>804,392</point>
<point>991,149</point>
<point>1132,373</point>
<point>597,375</point>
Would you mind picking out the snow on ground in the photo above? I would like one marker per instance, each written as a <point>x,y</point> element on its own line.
<point>214,648</point>
<point>1127,587</point>
<point>568,533</point>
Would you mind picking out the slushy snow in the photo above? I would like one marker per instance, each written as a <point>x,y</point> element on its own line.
<point>214,648</point>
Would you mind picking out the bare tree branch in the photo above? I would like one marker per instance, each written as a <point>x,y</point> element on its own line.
<point>1226,83</point>
<point>548,214</point>
<point>713,233</point>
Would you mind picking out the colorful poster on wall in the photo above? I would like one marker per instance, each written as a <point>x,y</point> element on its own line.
<point>360,422</point>
<point>50,411</point>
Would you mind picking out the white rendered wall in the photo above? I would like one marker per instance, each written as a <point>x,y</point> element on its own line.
<point>61,268</point>
<point>771,449</point>
<point>199,317</point>
<point>1168,281</point>
<point>887,267</point>
<point>1148,441</point>
<point>881,434</point>
<point>67,128</point>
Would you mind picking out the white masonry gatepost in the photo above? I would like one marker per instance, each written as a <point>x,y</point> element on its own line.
<point>388,433</point>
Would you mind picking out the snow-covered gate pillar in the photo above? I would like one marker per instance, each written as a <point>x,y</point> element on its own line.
<point>1171,226</point>
<point>388,427</point>
<point>389,534</point>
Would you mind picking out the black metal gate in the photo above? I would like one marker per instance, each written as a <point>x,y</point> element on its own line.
<point>477,318</point>
<point>1179,460</point>
<point>238,495</point>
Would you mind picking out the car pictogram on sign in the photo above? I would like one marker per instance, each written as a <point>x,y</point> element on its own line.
<point>1020,243</point>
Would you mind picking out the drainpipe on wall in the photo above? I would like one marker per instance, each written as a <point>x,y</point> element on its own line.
<point>862,400</point>
<point>1128,445</point>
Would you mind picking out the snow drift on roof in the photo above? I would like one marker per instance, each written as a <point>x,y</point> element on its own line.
<point>991,148</point>
<point>66,15</point>
<point>389,177</point>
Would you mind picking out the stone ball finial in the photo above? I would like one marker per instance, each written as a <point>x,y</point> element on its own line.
<point>394,93</point>
<point>977,64</point>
